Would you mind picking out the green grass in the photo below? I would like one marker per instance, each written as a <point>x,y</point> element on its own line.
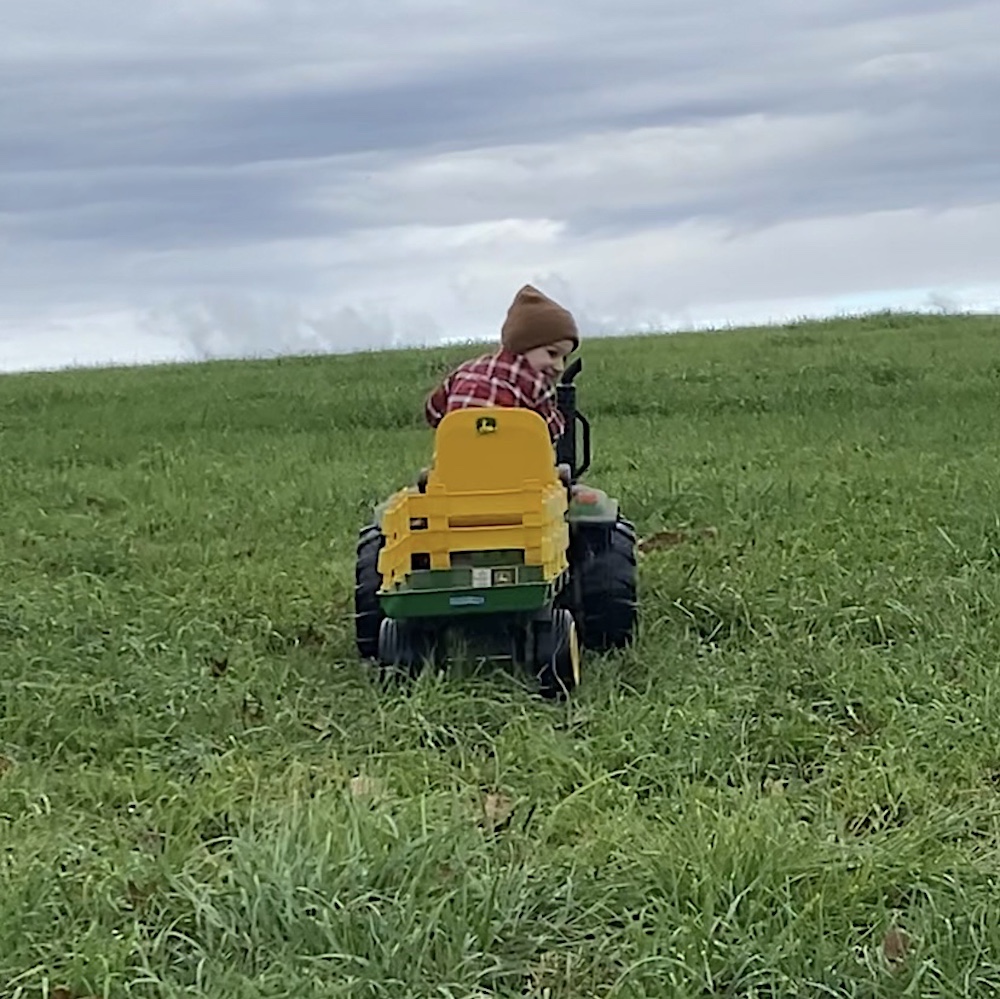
<point>203,794</point>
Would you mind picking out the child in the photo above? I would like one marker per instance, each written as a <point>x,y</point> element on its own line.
<point>537,337</point>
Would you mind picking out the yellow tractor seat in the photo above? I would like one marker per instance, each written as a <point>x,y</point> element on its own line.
<point>493,486</point>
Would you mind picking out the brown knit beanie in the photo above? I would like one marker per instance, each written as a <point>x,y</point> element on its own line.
<point>535,320</point>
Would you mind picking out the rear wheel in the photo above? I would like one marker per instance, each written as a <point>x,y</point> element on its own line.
<point>404,646</point>
<point>368,615</point>
<point>605,589</point>
<point>557,654</point>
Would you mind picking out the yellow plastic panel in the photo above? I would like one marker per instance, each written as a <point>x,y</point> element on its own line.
<point>493,485</point>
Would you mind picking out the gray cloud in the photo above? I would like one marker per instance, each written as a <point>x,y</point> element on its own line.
<point>370,171</point>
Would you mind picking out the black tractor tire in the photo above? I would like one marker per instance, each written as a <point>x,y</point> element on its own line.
<point>557,654</point>
<point>404,647</point>
<point>368,614</point>
<point>605,588</point>
<point>628,528</point>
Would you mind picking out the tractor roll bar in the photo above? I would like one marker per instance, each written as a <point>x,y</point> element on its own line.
<point>566,445</point>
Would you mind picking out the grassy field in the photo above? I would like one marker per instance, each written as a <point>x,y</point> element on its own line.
<point>789,787</point>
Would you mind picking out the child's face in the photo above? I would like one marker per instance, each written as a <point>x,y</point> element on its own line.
<point>550,359</point>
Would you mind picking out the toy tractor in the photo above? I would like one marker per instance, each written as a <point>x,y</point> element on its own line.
<point>499,547</point>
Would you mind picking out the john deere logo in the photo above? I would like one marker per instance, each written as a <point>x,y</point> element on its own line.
<point>486,425</point>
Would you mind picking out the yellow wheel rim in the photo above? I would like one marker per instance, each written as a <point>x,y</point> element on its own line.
<point>574,652</point>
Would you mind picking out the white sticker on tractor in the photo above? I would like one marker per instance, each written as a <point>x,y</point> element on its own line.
<point>464,601</point>
<point>482,577</point>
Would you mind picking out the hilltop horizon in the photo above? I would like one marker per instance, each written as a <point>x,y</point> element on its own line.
<point>452,343</point>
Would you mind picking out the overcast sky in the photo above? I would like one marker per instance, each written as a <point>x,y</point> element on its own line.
<point>244,177</point>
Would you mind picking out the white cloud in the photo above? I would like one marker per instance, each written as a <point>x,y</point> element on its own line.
<point>684,276</point>
<point>86,339</point>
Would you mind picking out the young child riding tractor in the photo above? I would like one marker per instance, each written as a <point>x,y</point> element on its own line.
<point>498,543</point>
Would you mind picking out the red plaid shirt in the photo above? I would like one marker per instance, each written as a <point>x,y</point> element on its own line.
<point>501,379</point>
